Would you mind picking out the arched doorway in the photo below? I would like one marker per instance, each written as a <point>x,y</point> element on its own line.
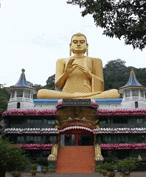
<point>76,135</point>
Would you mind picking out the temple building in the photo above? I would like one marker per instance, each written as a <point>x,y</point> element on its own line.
<point>89,130</point>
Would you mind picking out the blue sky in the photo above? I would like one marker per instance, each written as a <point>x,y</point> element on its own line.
<point>34,34</point>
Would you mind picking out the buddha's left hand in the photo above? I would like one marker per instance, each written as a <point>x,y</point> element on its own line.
<point>87,73</point>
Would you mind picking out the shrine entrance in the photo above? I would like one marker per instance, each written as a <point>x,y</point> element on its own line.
<point>76,137</point>
<point>76,140</point>
<point>67,140</point>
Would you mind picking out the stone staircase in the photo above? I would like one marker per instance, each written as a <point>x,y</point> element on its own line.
<point>75,159</point>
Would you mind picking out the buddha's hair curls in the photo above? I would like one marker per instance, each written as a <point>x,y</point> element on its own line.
<point>78,34</point>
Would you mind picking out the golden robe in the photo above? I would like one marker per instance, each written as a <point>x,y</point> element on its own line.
<point>77,84</point>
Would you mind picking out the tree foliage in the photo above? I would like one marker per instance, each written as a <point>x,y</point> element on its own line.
<point>116,74</point>
<point>124,18</point>
<point>126,166</point>
<point>50,82</point>
<point>11,158</point>
<point>4,97</point>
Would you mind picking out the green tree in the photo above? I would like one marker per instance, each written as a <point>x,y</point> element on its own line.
<point>4,97</point>
<point>50,83</point>
<point>115,74</point>
<point>11,158</point>
<point>125,18</point>
<point>126,166</point>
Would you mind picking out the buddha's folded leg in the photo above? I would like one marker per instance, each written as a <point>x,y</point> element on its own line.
<point>52,94</point>
<point>113,93</point>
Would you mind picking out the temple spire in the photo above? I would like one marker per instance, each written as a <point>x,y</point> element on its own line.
<point>21,94</point>
<point>22,81</point>
<point>132,82</point>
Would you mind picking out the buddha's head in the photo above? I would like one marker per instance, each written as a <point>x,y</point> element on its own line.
<point>78,44</point>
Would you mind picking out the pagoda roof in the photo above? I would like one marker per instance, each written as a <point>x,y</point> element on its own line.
<point>133,82</point>
<point>22,83</point>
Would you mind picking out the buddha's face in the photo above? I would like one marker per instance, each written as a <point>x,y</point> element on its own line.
<point>78,44</point>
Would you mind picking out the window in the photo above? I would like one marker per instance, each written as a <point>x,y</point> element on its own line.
<point>53,122</point>
<point>18,105</point>
<point>142,93</point>
<point>139,121</point>
<point>39,138</point>
<point>33,138</point>
<point>104,121</point>
<point>127,93</point>
<point>20,138</point>
<point>53,139</point>
<point>34,121</point>
<point>39,121</point>
<point>118,120</point>
<point>19,93</point>
<point>31,121</point>
<point>136,104</point>
<point>49,121</point>
<point>135,92</point>
<point>27,94</point>
<point>12,93</point>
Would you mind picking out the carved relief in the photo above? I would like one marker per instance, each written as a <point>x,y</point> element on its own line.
<point>84,115</point>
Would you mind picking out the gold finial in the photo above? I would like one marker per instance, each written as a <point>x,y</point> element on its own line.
<point>23,70</point>
<point>132,70</point>
<point>139,157</point>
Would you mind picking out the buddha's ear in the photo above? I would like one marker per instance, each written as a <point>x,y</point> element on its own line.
<point>87,49</point>
<point>69,49</point>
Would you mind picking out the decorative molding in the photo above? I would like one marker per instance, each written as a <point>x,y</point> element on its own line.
<point>31,131</point>
<point>120,112</point>
<point>103,146</point>
<point>56,131</point>
<point>123,146</point>
<point>76,127</point>
<point>29,113</point>
<point>34,146</point>
<point>120,131</point>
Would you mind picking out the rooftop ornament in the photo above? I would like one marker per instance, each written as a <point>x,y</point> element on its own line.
<point>22,82</point>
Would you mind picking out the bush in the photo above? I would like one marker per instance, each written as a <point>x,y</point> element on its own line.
<point>106,166</point>
<point>43,161</point>
<point>11,157</point>
<point>126,166</point>
<point>34,166</point>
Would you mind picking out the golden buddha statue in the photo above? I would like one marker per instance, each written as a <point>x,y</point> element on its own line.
<point>78,76</point>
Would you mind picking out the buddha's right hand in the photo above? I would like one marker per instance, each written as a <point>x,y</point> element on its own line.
<point>69,68</point>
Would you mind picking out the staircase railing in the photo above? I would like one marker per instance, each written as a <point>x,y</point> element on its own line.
<point>98,156</point>
<point>54,152</point>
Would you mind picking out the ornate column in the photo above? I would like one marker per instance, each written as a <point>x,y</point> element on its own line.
<point>94,138</point>
<point>59,135</point>
<point>77,139</point>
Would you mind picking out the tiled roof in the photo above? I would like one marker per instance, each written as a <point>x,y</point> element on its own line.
<point>133,82</point>
<point>22,81</point>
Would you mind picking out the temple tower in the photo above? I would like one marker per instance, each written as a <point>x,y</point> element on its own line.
<point>134,94</point>
<point>21,94</point>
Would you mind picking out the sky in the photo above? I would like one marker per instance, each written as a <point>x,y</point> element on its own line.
<point>35,33</point>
